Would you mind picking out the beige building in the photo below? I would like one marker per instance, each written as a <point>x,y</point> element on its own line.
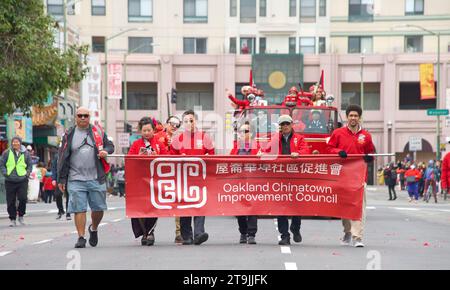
<point>203,47</point>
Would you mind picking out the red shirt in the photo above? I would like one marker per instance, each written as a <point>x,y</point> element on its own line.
<point>158,147</point>
<point>48,183</point>
<point>241,103</point>
<point>187,143</point>
<point>344,139</point>
<point>445,176</point>
<point>413,172</point>
<point>297,144</point>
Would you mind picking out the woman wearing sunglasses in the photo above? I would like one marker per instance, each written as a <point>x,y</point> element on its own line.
<point>248,225</point>
<point>147,145</point>
<point>172,125</point>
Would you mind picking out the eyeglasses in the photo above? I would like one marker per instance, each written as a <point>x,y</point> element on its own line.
<point>188,121</point>
<point>81,116</point>
<point>244,131</point>
<point>175,124</point>
<point>285,124</point>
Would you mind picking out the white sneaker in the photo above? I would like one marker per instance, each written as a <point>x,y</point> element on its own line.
<point>358,244</point>
<point>12,223</point>
<point>347,239</point>
<point>21,221</point>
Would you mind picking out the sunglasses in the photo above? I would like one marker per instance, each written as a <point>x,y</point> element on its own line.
<point>175,124</point>
<point>244,131</point>
<point>188,121</point>
<point>285,124</point>
<point>81,116</point>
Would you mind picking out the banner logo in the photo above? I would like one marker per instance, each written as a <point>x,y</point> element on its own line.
<point>176,182</point>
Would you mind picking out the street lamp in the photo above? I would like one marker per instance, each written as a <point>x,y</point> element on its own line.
<point>438,92</point>
<point>362,79</point>
<point>125,96</point>
<point>106,70</point>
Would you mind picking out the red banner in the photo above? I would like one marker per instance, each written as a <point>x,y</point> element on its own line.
<point>163,186</point>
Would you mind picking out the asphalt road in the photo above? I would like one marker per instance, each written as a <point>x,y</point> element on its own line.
<point>398,235</point>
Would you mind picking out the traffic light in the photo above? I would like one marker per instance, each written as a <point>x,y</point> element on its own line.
<point>128,128</point>
<point>173,96</point>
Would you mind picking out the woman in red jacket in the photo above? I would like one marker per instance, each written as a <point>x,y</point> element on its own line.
<point>248,225</point>
<point>412,176</point>
<point>147,145</point>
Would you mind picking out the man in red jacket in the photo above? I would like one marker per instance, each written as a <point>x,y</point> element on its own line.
<point>287,142</point>
<point>445,174</point>
<point>192,142</point>
<point>352,139</point>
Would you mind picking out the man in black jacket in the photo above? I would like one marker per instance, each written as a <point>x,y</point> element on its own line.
<point>82,166</point>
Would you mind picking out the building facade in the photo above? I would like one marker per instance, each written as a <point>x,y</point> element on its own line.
<point>204,47</point>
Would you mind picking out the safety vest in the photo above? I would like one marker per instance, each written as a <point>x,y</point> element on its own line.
<point>20,166</point>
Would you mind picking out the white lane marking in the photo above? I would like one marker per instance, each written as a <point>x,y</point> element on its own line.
<point>43,242</point>
<point>2,254</point>
<point>53,211</point>
<point>112,208</point>
<point>74,232</point>
<point>290,266</point>
<point>406,208</point>
<point>445,210</point>
<point>279,238</point>
<point>102,224</point>
<point>117,220</point>
<point>371,189</point>
<point>285,250</point>
<point>370,207</point>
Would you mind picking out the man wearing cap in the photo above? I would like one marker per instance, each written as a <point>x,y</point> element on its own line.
<point>16,166</point>
<point>352,139</point>
<point>287,142</point>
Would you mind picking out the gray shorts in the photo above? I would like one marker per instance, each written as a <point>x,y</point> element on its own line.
<point>83,192</point>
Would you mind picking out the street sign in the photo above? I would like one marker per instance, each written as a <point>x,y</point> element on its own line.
<point>415,143</point>
<point>124,140</point>
<point>437,112</point>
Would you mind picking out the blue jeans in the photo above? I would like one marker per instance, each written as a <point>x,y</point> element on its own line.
<point>83,192</point>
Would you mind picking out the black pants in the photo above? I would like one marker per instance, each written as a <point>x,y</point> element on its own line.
<point>49,196</point>
<point>59,201</point>
<point>143,226</point>
<point>392,195</point>
<point>186,226</point>
<point>248,225</point>
<point>16,190</point>
<point>283,225</point>
<point>121,186</point>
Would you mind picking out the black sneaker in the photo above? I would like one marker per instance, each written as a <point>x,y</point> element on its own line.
<point>58,217</point>
<point>81,243</point>
<point>68,217</point>
<point>189,241</point>
<point>151,239</point>
<point>198,240</point>
<point>284,242</point>
<point>251,240</point>
<point>243,239</point>
<point>297,237</point>
<point>93,237</point>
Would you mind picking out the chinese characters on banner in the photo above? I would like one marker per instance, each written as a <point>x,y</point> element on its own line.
<point>427,90</point>
<point>114,81</point>
<point>92,87</point>
<point>229,186</point>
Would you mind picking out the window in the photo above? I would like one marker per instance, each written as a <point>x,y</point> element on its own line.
<point>233,8</point>
<point>98,44</point>
<point>195,94</point>
<point>410,97</point>
<point>360,44</point>
<point>98,7</point>
<point>414,7</point>
<point>322,45</point>
<point>55,7</point>
<point>292,8</point>
<point>322,8</point>
<point>413,43</point>
<point>307,45</point>
<point>140,44</point>
<point>195,11</point>
<point>262,8</point>
<point>194,45</point>
<point>248,11</point>
<point>247,45</point>
<point>141,96</point>
<point>233,45</point>
<point>307,10</point>
<point>237,92</point>
<point>140,10</point>
<point>292,45</point>
<point>360,10</point>
<point>351,94</point>
<point>262,45</point>
<point>71,9</point>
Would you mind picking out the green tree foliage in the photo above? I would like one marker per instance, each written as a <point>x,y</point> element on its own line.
<point>30,65</point>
